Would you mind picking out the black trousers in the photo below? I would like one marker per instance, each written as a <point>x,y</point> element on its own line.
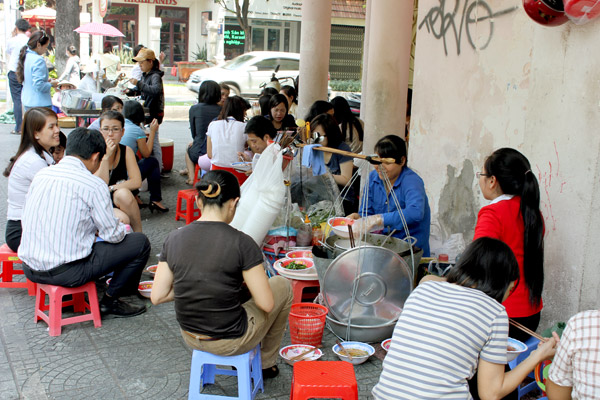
<point>13,234</point>
<point>126,259</point>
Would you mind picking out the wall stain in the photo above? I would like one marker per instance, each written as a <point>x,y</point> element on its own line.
<point>545,182</point>
<point>458,202</point>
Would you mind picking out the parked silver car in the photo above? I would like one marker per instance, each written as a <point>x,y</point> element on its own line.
<point>245,73</point>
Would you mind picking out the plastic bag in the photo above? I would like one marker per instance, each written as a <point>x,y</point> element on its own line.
<point>262,196</point>
<point>77,99</point>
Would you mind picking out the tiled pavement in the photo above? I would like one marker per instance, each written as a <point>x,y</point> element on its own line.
<point>134,358</point>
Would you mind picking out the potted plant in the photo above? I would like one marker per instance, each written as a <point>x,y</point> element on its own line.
<point>185,68</point>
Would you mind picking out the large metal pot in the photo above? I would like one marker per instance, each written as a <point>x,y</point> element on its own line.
<point>363,329</point>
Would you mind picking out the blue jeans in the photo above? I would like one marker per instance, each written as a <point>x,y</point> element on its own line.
<point>15,93</point>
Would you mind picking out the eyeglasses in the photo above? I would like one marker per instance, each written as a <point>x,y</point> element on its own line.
<point>113,130</point>
<point>480,174</point>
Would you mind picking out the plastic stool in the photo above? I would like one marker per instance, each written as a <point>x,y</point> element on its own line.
<point>191,212</point>
<point>55,305</point>
<point>241,177</point>
<point>531,344</point>
<point>324,379</point>
<point>7,259</point>
<point>248,369</point>
<point>299,286</point>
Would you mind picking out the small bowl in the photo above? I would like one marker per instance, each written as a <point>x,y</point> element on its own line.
<point>518,347</point>
<point>284,262</point>
<point>108,281</point>
<point>145,288</point>
<point>386,344</point>
<point>289,352</point>
<point>151,269</point>
<point>339,225</point>
<point>299,254</point>
<point>356,346</point>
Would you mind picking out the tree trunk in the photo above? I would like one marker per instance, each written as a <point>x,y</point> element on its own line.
<point>67,19</point>
<point>247,43</point>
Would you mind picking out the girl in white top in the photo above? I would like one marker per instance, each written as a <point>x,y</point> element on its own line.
<point>40,135</point>
<point>225,136</point>
<point>72,69</point>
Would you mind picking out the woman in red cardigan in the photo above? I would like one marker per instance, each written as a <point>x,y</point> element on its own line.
<point>514,217</point>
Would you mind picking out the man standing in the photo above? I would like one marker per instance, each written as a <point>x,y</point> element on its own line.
<point>65,207</point>
<point>13,48</point>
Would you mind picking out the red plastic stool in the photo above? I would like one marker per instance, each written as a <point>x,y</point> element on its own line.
<point>324,379</point>
<point>191,212</point>
<point>299,286</point>
<point>7,259</point>
<point>56,304</point>
<point>241,177</point>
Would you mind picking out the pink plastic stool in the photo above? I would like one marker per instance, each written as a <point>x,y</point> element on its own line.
<point>324,379</point>
<point>7,259</point>
<point>299,286</point>
<point>55,305</point>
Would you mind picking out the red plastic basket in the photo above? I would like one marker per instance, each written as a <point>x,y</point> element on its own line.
<point>307,321</point>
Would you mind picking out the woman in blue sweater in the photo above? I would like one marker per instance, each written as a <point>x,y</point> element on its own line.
<point>33,73</point>
<point>379,210</point>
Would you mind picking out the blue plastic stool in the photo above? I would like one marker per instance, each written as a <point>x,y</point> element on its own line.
<point>248,369</point>
<point>531,344</point>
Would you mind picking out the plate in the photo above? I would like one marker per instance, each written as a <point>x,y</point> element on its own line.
<point>242,166</point>
<point>383,281</point>
<point>294,350</point>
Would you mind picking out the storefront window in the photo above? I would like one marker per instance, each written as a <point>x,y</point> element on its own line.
<point>173,33</point>
<point>124,18</point>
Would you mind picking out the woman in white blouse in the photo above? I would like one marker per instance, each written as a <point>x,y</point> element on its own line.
<point>72,69</point>
<point>225,136</point>
<point>40,134</point>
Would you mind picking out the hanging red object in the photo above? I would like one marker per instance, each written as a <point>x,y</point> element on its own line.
<point>546,12</point>
<point>581,11</point>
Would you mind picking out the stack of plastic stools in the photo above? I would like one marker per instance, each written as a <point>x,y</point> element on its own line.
<point>7,259</point>
<point>298,287</point>
<point>55,305</point>
<point>248,369</point>
<point>324,379</point>
<point>531,344</point>
<point>191,212</point>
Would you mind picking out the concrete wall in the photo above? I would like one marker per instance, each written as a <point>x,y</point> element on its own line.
<point>482,83</point>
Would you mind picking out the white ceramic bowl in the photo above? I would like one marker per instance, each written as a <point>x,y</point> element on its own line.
<point>356,346</point>
<point>518,346</point>
<point>289,352</point>
<point>339,225</point>
<point>145,288</point>
<point>151,269</point>
<point>386,344</point>
<point>299,254</point>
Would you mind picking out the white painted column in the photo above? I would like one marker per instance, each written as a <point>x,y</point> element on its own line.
<point>97,45</point>
<point>315,37</point>
<point>388,67</point>
<point>365,66</point>
<point>84,39</point>
<point>154,32</point>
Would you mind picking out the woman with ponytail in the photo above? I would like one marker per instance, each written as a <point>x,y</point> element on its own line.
<point>33,73</point>
<point>224,302</point>
<point>514,217</point>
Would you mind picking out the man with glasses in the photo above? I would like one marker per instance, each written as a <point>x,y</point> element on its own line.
<point>13,48</point>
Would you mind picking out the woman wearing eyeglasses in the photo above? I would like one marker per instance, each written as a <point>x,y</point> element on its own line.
<point>514,217</point>
<point>33,73</point>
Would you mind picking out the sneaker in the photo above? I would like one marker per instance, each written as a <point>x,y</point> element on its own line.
<point>119,308</point>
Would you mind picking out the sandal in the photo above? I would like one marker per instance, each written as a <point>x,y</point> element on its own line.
<point>183,172</point>
<point>189,182</point>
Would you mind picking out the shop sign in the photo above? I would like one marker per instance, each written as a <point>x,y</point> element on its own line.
<point>157,2</point>
<point>272,9</point>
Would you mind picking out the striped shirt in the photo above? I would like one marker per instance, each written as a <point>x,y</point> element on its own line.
<point>577,360</point>
<point>441,334</point>
<point>65,206</point>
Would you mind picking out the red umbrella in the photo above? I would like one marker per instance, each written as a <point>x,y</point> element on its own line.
<point>95,28</point>
<point>42,15</point>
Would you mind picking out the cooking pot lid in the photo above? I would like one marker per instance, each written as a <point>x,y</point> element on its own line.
<point>383,281</point>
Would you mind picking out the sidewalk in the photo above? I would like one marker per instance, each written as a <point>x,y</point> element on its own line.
<point>142,357</point>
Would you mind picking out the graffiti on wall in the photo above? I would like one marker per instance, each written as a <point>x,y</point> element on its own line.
<point>547,178</point>
<point>446,22</point>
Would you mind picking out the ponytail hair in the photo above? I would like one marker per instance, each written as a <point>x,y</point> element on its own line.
<point>37,37</point>
<point>514,175</point>
<point>217,187</point>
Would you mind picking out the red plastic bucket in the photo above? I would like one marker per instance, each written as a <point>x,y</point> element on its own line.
<point>167,147</point>
<point>307,322</point>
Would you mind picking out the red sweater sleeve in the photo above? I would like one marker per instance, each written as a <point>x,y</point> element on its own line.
<point>488,224</point>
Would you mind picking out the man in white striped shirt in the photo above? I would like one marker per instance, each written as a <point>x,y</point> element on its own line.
<point>65,208</point>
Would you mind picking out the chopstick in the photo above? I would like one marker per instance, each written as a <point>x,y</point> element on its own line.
<point>352,243</point>
<point>526,330</point>
<point>301,356</point>
<point>344,350</point>
<point>350,154</point>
